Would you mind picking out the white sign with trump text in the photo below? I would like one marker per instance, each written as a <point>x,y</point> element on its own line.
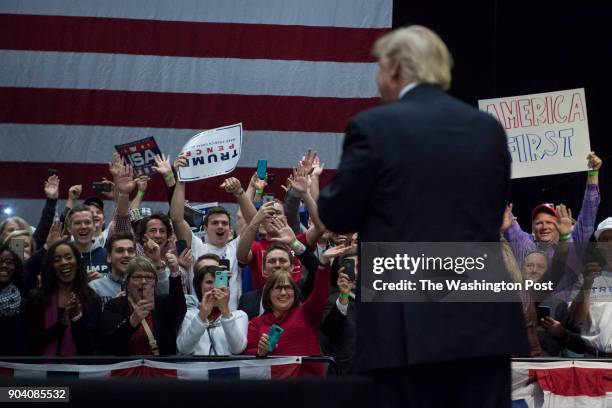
<point>212,153</point>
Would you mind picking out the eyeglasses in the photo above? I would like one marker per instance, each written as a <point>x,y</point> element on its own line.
<point>146,278</point>
<point>279,289</point>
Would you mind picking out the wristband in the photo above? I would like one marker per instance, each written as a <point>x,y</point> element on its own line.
<point>77,317</point>
<point>344,296</point>
<point>238,194</point>
<point>169,176</point>
<point>296,245</point>
<point>259,191</point>
<point>140,193</point>
<point>593,173</point>
<point>564,237</point>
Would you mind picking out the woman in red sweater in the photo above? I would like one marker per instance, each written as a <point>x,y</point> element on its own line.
<point>300,322</point>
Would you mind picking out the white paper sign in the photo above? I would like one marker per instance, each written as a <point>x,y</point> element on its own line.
<point>548,133</point>
<point>212,153</point>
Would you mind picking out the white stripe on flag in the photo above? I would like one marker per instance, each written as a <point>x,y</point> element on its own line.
<point>75,70</point>
<point>22,370</point>
<point>96,144</point>
<point>346,13</point>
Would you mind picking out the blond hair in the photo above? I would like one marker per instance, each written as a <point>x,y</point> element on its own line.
<point>421,53</point>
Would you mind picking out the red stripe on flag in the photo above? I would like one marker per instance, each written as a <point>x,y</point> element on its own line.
<point>186,39</point>
<point>26,180</point>
<point>144,372</point>
<point>7,372</point>
<point>177,110</point>
<point>574,381</point>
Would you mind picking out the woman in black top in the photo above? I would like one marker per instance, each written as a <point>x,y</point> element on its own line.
<point>62,316</point>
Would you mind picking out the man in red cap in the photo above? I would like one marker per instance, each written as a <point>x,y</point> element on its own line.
<point>544,227</point>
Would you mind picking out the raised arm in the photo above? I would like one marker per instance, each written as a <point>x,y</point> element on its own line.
<point>585,223</point>
<point>177,207</point>
<point>232,185</point>
<point>46,218</point>
<point>300,184</point>
<point>142,183</point>
<point>243,252</point>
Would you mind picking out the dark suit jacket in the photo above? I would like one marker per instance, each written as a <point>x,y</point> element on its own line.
<point>426,168</point>
<point>167,317</point>
<point>339,331</point>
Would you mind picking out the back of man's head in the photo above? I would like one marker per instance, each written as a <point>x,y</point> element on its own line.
<point>421,53</point>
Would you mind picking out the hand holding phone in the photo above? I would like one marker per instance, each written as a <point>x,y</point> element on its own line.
<point>349,268</point>
<point>543,311</point>
<point>17,245</point>
<point>274,335</point>
<point>262,168</point>
<point>221,279</point>
<point>101,187</point>
<point>181,245</point>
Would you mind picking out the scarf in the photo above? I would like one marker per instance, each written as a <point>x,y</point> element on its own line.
<point>64,346</point>
<point>10,301</point>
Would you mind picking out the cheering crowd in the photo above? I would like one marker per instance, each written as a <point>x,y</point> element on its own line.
<point>278,283</point>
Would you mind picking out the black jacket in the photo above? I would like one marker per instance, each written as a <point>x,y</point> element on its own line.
<point>84,330</point>
<point>426,168</point>
<point>168,315</point>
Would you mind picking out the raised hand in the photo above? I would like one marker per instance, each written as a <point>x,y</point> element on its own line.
<point>180,161</point>
<point>284,233</point>
<point>142,182</point>
<point>345,285</point>
<point>334,252</point>
<point>74,192</point>
<point>265,211</point>
<point>232,185</point>
<point>55,233</point>
<point>564,222</point>
<point>594,162</point>
<point>317,167</point>
<point>307,162</point>
<point>115,167</point>
<point>110,195</point>
<point>508,218</point>
<point>124,180</point>
<point>52,187</point>
<point>300,180</point>
<point>162,165</point>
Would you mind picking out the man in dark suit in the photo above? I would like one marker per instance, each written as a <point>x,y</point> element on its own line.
<point>426,167</point>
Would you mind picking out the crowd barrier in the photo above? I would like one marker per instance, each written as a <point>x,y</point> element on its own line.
<point>536,383</point>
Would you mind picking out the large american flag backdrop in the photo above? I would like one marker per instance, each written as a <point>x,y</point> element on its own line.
<point>80,76</point>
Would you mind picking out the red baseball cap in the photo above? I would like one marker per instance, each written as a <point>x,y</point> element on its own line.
<point>548,208</point>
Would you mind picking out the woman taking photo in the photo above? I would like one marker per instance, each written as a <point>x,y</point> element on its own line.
<point>61,317</point>
<point>144,322</point>
<point>209,328</point>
